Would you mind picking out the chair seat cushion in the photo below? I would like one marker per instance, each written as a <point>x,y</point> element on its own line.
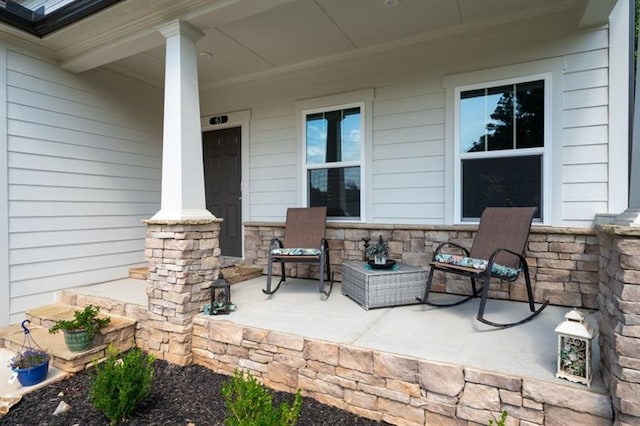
<point>480,264</point>
<point>295,252</point>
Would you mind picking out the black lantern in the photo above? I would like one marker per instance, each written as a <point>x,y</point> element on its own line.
<point>220,297</point>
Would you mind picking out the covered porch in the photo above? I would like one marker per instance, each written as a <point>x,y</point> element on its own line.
<point>405,365</point>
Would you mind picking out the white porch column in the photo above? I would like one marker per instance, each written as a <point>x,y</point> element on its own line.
<point>631,216</point>
<point>183,195</point>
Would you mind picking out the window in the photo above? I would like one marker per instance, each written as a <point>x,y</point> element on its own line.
<point>333,156</point>
<point>502,145</point>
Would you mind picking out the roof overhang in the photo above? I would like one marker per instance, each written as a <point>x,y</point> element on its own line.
<point>259,37</point>
<point>596,12</point>
<point>39,24</point>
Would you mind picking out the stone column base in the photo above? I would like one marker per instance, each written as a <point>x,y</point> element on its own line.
<point>619,317</point>
<point>183,258</point>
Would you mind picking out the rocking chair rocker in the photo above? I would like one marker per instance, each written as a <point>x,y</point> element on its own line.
<point>497,251</point>
<point>304,242</point>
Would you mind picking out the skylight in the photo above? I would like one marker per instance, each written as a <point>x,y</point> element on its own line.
<point>42,17</point>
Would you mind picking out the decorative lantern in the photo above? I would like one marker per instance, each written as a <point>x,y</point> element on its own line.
<point>220,297</point>
<point>574,348</point>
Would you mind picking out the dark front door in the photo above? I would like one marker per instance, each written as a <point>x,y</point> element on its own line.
<point>222,183</point>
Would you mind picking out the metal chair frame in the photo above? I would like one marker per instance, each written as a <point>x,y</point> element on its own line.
<point>511,256</point>
<point>305,228</point>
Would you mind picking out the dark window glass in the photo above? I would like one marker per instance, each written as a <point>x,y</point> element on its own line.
<point>337,188</point>
<point>500,123</point>
<point>530,115</point>
<point>501,182</point>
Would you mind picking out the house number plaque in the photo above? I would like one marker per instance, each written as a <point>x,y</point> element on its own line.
<point>218,119</point>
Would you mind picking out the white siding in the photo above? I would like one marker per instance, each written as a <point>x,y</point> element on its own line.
<point>584,136</point>
<point>408,153</point>
<point>274,164</point>
<point>409,166</point>
<point>84,168</point>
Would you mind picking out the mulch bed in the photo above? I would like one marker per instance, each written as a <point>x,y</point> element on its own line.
<point>180,396</point>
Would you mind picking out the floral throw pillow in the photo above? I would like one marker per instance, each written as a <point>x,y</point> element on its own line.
<point>480,264</point>
<point>295,252</point>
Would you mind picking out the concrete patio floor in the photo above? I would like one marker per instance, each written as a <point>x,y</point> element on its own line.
<point>450,335</point>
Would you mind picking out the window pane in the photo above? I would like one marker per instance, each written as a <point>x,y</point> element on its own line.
<point>502,117</point>
<point>500,125</point>
<point>473,121</point>
<point>333,136</point>
<point>351,135</point>
<point>530,114</point>
<point>501,182</point>
<point>337,188</point>
<point>316,138</point>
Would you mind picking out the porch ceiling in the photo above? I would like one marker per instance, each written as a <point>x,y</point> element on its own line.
<point>253,37</point>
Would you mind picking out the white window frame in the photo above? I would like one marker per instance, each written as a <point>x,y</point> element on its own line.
<point>459,156</point>
<point>362,99</point>
<point>551,71</point>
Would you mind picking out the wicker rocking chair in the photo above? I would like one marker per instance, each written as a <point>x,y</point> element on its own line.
<point>304,242</point>
<point>497,251</point>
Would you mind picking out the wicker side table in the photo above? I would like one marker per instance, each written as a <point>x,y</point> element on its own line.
<point>383,287</point>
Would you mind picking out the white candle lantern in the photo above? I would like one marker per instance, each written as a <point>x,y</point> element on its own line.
<point>575,337</point>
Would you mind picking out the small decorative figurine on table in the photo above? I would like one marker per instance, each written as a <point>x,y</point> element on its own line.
<point>378,252</point>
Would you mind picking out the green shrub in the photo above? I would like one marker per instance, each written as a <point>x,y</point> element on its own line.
<point>502,421</point>
<point>120,384</point>
<point>250,404</point>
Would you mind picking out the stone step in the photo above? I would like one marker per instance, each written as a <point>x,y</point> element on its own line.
<point>237,273</point>
<point>139,272</point>
<point>120,334</point>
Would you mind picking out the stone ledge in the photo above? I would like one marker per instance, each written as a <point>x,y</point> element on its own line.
<point>182,221</point>
<point>629,231</point>
<point>535,229</point>
<point>436,391</point>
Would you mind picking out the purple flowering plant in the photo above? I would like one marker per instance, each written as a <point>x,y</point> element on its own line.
<point>29,358</point>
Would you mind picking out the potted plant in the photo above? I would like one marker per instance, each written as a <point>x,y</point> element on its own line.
<point>31,363</point>
<point>31,366</point>
<point>378,252</point>
<point>82,329</point>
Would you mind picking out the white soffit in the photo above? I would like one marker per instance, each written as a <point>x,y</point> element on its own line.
<point>130,27</point>
<point>368,23</point>
<point>291,33</point>
<point>485,10</point>
<point>228,56</point>
<point>253,37</point>
<point>596,12</point>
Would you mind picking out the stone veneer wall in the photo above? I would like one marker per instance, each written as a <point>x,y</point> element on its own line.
<point>184,259</point>
<point>563,261</point>
<point>619,319</point>
<point>389,387</point>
